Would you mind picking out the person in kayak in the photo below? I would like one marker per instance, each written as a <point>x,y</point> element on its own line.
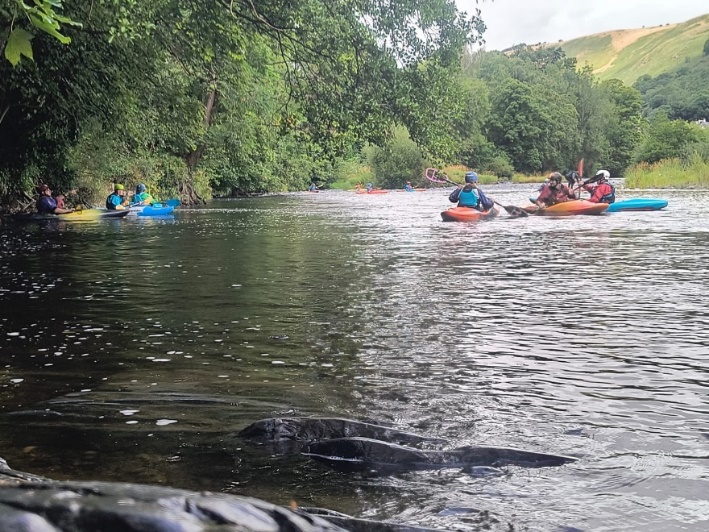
<point>142,196</point>
<point>117,201</point>
<point>408,187</point>
<point>554,192</point>
<point>369,187</point>
<point>46,204</point>
<point>603,192</point>
<point>468,195</point>
<point>313,187</point>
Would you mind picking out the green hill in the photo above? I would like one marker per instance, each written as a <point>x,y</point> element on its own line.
<point>629,54</point>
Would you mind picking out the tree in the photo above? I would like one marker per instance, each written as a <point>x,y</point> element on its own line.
<point>666,139</point>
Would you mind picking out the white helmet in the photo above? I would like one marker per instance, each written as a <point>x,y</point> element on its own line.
<point>604,173</point>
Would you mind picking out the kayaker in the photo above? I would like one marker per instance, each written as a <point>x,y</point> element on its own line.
<point>313,187</point>
<point>554,192</point>
<point>117,199</point>
<point>603,192</point>
<point>467,195</point>
<point>369,187</point>
<point>142,196</point>
<point>408,187</point>
<point>46,204</point>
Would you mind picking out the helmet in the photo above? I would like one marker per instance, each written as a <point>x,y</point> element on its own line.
<point>140,188</point>
<point>118,187</point>
<point>604,174</point>
<point>556,176</point>
<point>471,177</point>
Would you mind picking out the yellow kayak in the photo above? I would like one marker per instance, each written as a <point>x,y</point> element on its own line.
<point>76,216</point>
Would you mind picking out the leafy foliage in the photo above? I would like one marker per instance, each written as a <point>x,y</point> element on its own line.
<point>682,93</point>
<point>666,139</point>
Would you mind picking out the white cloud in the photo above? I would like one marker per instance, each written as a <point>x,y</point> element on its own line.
<point>512,22</point>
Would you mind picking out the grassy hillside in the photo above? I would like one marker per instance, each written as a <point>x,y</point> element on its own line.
<point>629,54</point>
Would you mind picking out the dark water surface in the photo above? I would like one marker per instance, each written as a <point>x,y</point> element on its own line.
<point>132,350</point>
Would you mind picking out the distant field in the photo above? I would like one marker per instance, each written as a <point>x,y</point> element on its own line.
<point>629,54</point>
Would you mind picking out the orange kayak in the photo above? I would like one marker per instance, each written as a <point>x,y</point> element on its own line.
<point>467,214</point>
<point>569,208</point>
<point>373,191</point>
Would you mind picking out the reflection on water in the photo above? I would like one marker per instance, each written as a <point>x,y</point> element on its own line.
<point>133,350</point>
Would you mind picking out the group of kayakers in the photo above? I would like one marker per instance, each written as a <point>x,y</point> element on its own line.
<point>553,192</point>
<point>117,200</point>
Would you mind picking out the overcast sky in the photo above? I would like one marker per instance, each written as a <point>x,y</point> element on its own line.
<point>531,21</point>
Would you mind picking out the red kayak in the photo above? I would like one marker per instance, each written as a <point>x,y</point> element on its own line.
<point>569,208</point>
<point>468,214</point>
<point>373,191</point>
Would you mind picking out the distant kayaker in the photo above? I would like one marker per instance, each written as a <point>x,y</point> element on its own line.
<point>117,199</point>
<point>467,195</point>
<point>369,187</point>
<point>313,187</point>
<point>603,192</point>
<point>46,204</point>
<point>142,196</point>
<point>554,192</point>
<point>408,187</point>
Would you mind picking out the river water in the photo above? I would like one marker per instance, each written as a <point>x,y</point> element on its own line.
<point>133,350</point>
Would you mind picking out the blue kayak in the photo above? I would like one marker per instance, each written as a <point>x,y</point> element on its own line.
<point>638,204</point>
<point>156,209</point>
<point>635,204</point>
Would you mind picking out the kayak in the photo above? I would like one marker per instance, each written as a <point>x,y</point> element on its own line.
<point>76,216</point>
<point>468,214</point>
<point>638,204</point>
<point>635,204</point>
<point>156,209</point>
<point>374,191</point>
<point>569,208</point>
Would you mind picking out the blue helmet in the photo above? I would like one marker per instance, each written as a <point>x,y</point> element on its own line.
<point>140,188</point>
<point>471,177</point>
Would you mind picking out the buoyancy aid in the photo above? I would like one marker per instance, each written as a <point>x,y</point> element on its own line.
<point>468,197</point>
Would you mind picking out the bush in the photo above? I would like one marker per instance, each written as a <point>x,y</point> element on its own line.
<point>398,162</point>
<point>501,166</point>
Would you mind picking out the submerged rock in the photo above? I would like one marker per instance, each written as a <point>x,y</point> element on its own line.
<point>366,454</point>
<point>311,429</point>
<point>29,503</point>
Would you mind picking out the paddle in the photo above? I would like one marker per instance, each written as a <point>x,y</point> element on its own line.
<point>432,175</point>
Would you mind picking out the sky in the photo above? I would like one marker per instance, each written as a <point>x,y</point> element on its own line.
<point>512,22</point>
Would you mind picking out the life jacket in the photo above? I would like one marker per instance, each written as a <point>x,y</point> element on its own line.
<point>468,197</point>
<point>610,197</point>
<point>110,206</point>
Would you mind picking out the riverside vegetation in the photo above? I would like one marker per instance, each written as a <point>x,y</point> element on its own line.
<point>198,99</point>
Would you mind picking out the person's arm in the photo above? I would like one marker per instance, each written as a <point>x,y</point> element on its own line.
<point>598,193</point>
<point>453,198</point>
<point>542,198</point>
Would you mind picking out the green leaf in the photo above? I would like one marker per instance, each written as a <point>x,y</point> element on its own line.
<point>18,44</point>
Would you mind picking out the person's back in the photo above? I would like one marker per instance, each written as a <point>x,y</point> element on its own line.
<point>467,195</point>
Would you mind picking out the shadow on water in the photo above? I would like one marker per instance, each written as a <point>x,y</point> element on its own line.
<point>134,350</point>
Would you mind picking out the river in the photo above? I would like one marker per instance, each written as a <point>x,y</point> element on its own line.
<point>133,350</point>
